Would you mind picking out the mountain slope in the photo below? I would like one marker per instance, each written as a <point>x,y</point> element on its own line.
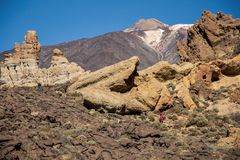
<point>150,40</point>
<point>104,50</point>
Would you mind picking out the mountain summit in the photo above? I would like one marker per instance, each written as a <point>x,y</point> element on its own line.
<point>160,37</point>
<point>148,24</point>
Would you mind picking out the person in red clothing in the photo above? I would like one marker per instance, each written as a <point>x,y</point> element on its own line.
<point>161,117</point>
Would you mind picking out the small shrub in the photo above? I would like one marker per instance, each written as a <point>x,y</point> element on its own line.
<point>93,112</point>
<point>179,143</point>
<point>204,130</point>
<point>151,116</point>
<point>173,117</point>
<point>171,87</point>
<point>179,124</point>
<point>193,134</point>
<point>173,137</point>
<point>209,135</point>
<point>226,119</point>
<point>212,129</point>
<point>219,123</point>
<point>217,137</point>
<point>237,142</point>
<point>163,127</point>
<point>223,131</point>
<point>199,121</point>
<point>235,117</point>
<point>210,115</point>
<point>178,108</point>
<point>199,109</point>
<point>91,142</point>
<point>215,110</point>
<point>212,140</point>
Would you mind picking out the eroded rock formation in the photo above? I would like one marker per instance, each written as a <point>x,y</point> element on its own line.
<point>212,37</point>
<point>107,88</point>
<point>119,88</point>
<point>21,67</point>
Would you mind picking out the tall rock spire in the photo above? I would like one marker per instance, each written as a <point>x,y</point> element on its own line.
<point>30,49</point>
<point>20,68</point>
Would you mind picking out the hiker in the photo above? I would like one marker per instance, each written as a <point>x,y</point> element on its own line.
<point>161,117</point>
<point>39,87</point>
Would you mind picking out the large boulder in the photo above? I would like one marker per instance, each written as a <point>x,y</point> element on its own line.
<point>120,88</point>
<point>117,78</point>
<point>152,83</point>
<point>109,88</point>
<point>183,92</point>
<point>229,67</point>
<point>206,73</point>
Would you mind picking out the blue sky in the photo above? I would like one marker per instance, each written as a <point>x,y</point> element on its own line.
<point>59,21</point>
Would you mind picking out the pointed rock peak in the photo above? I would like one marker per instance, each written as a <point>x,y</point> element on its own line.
<point>31,37</point>
<point>30,44</point>
<point>147,24</point>
<point>17,47</point>
<point>57,52</point>
<point>58,58</point>
<point>209,16</point>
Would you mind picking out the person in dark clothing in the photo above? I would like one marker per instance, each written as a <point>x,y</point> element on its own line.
<point>39,87</point>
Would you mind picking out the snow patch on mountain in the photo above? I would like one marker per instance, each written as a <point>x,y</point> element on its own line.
<point>152,37</point>
<point>179,26</point>
<point>160,37</point>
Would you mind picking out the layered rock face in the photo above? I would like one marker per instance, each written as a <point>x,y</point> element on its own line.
<point>21,67</point>
<point>212,37</point>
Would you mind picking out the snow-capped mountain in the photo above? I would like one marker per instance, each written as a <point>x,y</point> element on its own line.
<point>160,37</point>
<point>150,40</point>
